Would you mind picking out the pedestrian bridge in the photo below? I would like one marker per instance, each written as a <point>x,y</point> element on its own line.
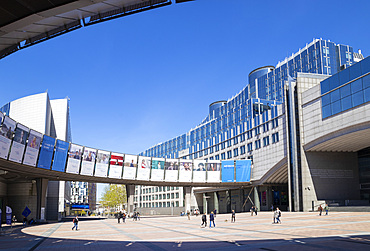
<point>30,154</point>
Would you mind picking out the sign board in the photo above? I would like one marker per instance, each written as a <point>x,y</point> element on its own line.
<point>26,212</point>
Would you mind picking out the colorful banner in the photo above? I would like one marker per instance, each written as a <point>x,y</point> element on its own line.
<point>32,150</point>
<point>130,167</point>
<point>199,171</point>
<point>19,143</point>
<point>102,162</point>
<point>60,156</point>
<point>243,170</point>
<point>6,136</point>
<point>157,169</point>
<point>116,164</point>
<point>172,169</point>
<point>46,152</point>
<point>227,171</point>
<point>143,170</point>
<point>74,159</point>
<point>88,161</point>
<point>213,171</point>
<point>186,168</point>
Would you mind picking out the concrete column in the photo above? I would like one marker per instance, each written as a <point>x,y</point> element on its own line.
<point>187,191</point>
<point>130,192</point>
<point>256,199</point>
<point>41,186</point>
<point>215,202</point>
<point>205,204</point>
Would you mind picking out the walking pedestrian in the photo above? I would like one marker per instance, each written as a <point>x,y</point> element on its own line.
<point>204,220</point>
<point>188,214</point>
<point>277,215</point>
<point>124,217</point>
<point>75,223</point>
<point>13,220</point>
<point>252,210</point>
<point>232,216</point>
<point>215,211</point>
<point>320,210</point>
<point>255,210</point>
<point>25,221</point>
<point>326,209</point>
<point>119,216</point>
<point>212,219</point>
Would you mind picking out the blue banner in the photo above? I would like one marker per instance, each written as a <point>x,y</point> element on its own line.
<point>227,171</point>
<point>80,206</point>
<point>243,170</point>
<point>46,152</point>
<point>60,156</point>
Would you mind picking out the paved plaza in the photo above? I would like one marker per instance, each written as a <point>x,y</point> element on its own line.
<point>303,231</point>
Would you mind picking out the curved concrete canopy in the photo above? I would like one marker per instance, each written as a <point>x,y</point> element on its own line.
<point>348,139</point>
<point>25,23</point>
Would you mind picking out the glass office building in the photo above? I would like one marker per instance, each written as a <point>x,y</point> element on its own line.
<point>254,104</point>
<point>248,123</point>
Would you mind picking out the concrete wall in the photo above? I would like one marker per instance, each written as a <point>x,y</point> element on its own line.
<point>162,211</point>
<point>20,195</point>
<point>334,175</point>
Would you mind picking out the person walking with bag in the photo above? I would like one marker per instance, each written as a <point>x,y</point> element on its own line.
<point>75,223</point>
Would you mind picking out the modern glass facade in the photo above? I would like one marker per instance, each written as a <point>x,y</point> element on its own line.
<point>252,107</point>
<point>346,89</point>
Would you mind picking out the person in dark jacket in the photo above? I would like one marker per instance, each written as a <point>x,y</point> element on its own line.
<point>232,216</point>
<point>204,220</point>
<point>212,219</point>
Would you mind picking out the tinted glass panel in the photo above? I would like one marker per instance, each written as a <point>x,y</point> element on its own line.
<point>366,81</point>
<point>336,107</point>
<point>356,86</point>
<point>335,95</point>
<point>358,98</point>
<point>325,86</point>
<point>345,91</point>
<point>355,71</point>
<point>365,65</point>
<point>334,81</point>
<point>367,94</point>
<point>346,103</point>
<point>344,76</point>
<point>326,111</point>
<point>325,100</point>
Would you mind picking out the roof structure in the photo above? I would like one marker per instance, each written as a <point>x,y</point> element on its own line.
<point>27,22</point>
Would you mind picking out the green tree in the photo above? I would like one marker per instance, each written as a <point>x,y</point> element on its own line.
<point>114,195</point>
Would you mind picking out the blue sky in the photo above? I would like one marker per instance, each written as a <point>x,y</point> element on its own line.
<point>146,78</point>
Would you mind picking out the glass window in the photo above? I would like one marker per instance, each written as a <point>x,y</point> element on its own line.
<point>358,98</point>
<point>366,81</point>
<point>177,204</point>
<point>325,100</point>
<point>326,111</point>
<point>343,76</point>
<point>346,103</point>
<point>335,95</point>
<point>334,81</point>
<point>325,86</point>
<point>336,107</point>
<point>365,65</point>
<point>355,71</point>
<point>356,86</point>
<point>345,91</point>
<point>367,94</point>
